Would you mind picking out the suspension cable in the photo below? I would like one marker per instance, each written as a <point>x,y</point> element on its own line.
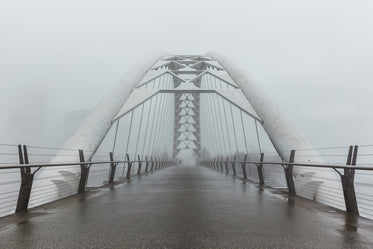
<point>115,136</point>
<point>154,134</point>
<point>212,145</point>
<point>257,135</point>
<point>138,132</point>
<point>159,126</point>
<point>234,128</point>
<point>216,122</point>
<point>152,121</point>
<point>158,113</point>
<point>226,122</point>
<point>146,129</point>
<point>244,132</point>
<point>221,125</point>
<point>128,137</point>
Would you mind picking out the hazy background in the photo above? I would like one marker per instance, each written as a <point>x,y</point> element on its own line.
<point>313,58</point>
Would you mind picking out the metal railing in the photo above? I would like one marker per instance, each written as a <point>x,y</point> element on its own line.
<point>347,177</point>
<point>28,171</point>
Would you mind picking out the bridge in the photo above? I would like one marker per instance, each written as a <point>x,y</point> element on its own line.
<point>186,151</point>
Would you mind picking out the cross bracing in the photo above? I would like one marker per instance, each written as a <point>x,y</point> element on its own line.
<point>189,79</point>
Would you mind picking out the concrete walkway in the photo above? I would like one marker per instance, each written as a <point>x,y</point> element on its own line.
<point>185,207</point>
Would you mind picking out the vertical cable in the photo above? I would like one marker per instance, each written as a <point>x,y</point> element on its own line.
<point>234,128</point>
<point>158,129</point>
<point>164,143</point>
<point>208,116</point>
<point>152,126</point>
<point>138,132</point>
<point>226,123</point>
<point>160,109</point>
<point>162,124</point>
<point>128,138</point>
<point>257,135</point>
<point>221,121</point>
<point>153,133</point>
<point>210,137</point>
<point>164,132</point>
<point>244,133</point>
<point>115,137</point>
<point>129,130</point>
<point>220,131</point>
<point>146,129</point>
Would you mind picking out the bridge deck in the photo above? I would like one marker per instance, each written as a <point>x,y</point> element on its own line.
<point>184,207</point>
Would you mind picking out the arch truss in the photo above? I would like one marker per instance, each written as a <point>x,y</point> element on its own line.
<point>192,79</point>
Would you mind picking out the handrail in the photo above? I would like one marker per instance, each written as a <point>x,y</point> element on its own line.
<point>331,166</point>
<point>347,175</point>
<point>27,176</point>
<point>34,165</point>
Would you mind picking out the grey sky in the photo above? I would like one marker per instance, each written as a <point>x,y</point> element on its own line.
<point>313,58</point>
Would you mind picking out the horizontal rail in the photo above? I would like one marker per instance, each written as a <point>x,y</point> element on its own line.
<point>34,165</point>
<point>331,166</point>
<point>347,174</point>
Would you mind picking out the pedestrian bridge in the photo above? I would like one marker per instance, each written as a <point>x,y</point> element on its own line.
<point>186,151</point>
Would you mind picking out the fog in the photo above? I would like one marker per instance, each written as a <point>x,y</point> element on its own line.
<point>313,58</point>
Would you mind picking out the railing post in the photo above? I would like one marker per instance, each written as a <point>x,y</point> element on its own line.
<point>146,164</point>
<point>129,167</point>
<point>260,169</point>
<point>139,169</point>
<point>27,179</point>
<point>234,166</point>
<point>347,180</point>
<point>221,164</point>
<point>112,168</point>
<point>226,166</point>
<point>151,168</point>
<point>244,168</point>
<point>289,174</point>
<point>84,170</point>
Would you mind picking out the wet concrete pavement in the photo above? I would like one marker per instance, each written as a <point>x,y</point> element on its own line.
<point>185,207</point>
